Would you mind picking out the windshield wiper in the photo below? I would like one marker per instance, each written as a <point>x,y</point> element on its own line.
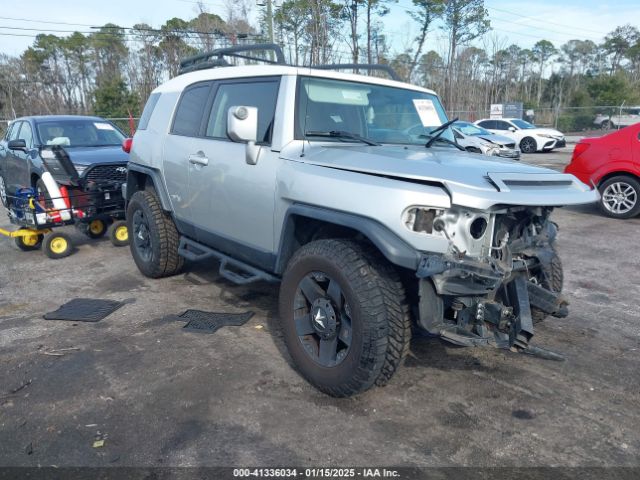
<point>342,134</point>
<point>446,140</point>
<point>436,132</point>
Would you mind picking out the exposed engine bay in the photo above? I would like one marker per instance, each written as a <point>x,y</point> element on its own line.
<point>501,274</point>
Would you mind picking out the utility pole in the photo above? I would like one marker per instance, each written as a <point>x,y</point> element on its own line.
<point>270,19</point>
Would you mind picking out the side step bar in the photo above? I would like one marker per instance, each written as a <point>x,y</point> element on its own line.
<point>233,270</point>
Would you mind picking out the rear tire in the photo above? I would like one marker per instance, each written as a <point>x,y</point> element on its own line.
<point>30,242</point>
<point>361,300</point>
<point>620,197</point>
<point>119,234</point>
<point>154,236</point>
<point>96,228</point>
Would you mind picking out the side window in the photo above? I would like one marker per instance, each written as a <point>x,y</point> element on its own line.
<point>502,125</point>
<point>148,110</point>
<point>490,124</point>
<point>190,110</point>
<point>26,134</point>
<point>13,131</point>
<point>262,95</point>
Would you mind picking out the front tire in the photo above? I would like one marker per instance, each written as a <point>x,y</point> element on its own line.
<point>551,277</point>
<point>344,316</point>
<point>57,245</point>
<point>3,193</point>
<point>528,145</point>
<point>620,197</point>
<point>154,236</point>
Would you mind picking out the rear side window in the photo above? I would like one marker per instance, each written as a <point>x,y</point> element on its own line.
<point>148,110</point>
<point>259,94</point>
<point>190,110</point>
<point>491,124</point>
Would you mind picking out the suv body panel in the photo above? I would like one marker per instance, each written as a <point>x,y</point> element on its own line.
<point>375,183</point>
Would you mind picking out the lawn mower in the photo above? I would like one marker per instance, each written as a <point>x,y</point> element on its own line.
<point>95,207</point>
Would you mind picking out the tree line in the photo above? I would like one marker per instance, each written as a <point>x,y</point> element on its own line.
<point>111,70</point>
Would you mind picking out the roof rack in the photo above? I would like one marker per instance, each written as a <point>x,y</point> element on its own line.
<point>216,58</point>
<point>361,66</point>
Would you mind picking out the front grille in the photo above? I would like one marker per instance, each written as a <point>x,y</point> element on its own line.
<point>510,145</point>
<point>107,173</point>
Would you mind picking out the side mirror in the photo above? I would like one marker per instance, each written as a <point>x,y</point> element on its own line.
<point>242,126</point>
<point>18,144</point>
<point>512,129</point>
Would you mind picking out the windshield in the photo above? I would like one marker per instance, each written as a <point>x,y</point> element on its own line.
<point>471,129</point>
<point>522,124</point>
<point>79,133</point>
<point>378,113</point>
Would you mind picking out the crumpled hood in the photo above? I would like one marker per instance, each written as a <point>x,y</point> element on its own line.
<point>496,139</point>
<point>92,155</point>
<point>473,180</point>
<point>438,165</point>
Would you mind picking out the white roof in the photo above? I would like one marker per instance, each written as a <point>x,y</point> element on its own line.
<point>180,82</point>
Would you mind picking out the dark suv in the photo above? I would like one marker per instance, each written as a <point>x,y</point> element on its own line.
<point>93,144</point>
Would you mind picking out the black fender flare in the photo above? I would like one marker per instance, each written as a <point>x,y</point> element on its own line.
<point>394,248</point>
<point>133,184</point>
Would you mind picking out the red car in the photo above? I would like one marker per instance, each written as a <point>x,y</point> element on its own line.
<point>612,163</point>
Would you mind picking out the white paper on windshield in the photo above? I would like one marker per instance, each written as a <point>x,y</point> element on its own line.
<point>427,112</point>
<point>103,126</point>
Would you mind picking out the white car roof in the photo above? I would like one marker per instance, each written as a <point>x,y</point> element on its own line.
<point>180,82</point>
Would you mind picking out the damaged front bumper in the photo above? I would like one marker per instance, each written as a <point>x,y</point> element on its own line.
<point>470,302</point>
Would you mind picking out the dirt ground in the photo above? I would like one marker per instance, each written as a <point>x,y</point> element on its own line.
<point>162,396</point>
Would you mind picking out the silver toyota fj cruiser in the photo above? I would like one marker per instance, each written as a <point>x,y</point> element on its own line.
<point>309,178</point>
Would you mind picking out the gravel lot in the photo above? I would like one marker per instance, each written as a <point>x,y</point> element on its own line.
<point>161,396</point>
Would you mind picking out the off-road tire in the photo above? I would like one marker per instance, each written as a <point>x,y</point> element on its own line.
<point>553,280</point>
<point>164,238</point>
<point>381,324</point>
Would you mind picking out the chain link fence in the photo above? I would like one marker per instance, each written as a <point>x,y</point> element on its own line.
<point>568,119</point>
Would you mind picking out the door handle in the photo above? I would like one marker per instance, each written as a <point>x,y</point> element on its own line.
<point>199,159</point>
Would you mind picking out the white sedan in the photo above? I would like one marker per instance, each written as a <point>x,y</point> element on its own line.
<point>529,138</point>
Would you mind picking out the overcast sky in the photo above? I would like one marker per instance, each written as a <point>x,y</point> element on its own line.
<point>521,22</point>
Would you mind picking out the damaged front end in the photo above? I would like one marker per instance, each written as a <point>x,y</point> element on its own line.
<point>501,273</point>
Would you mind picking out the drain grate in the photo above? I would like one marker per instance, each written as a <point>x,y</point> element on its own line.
<point>210,322</point>
<point>84,310</point>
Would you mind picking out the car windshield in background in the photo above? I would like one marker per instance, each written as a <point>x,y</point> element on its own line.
<point>471,129</point>
<point>377,113</point>
<point>522,124</point>
<point>79,133</point>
